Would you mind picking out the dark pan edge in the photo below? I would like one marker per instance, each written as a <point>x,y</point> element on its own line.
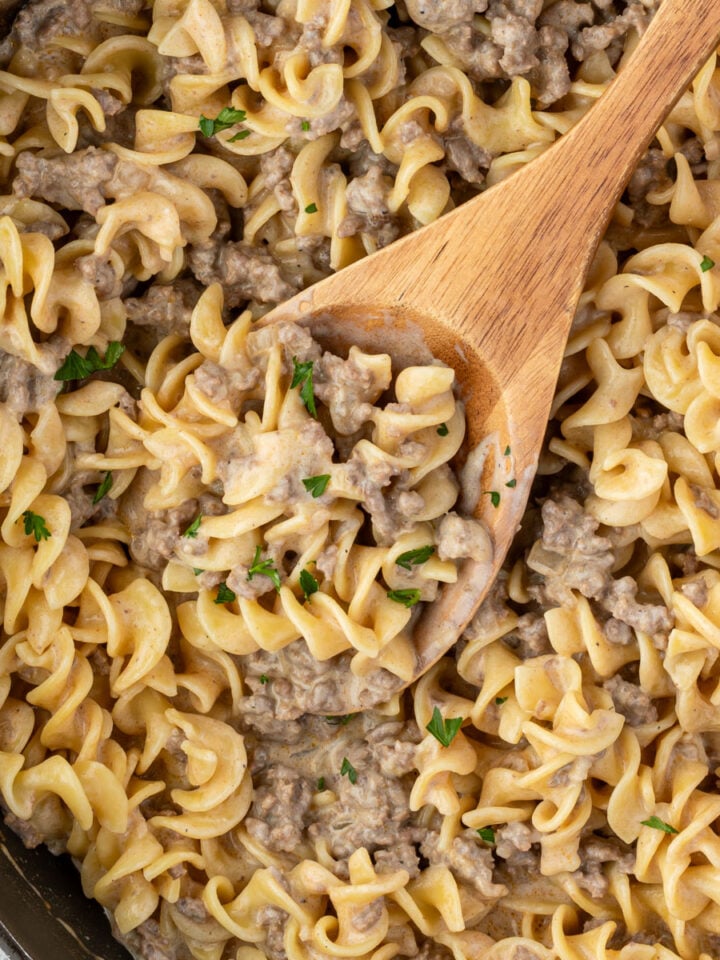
<point>43,911</point>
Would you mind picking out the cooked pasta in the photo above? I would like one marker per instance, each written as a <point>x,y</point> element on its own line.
<point>209,527</point>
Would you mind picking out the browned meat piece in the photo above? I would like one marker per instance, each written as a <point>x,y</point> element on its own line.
<point>245,272</point>
<point>146,941</point>
<point>650,175</point>
<point>279,813</point>
<point>572,556</point>
<point>652,618</point>
<point>348,390</point>
<point>519,40</point>
<point>371,813</point>
<point>636,16</point>
<point>154,534</point>
<point>311,686</point>
<point>368,211</point>
<point>530,636</point>
<point>225,386</point>
<point>23,387</point>
<point>432,950</point>
<point>513,838</point>
<point>468,859</point>
<point>166,308</point>
<point>274,920</point>
<point>631,701</point>
<point>460,537</point>
<point>100,273</point>
<point>400,856</point>
<point>696,591</point>
<point>74,181</point>
<point>466,158</point>
<point>595,852</point>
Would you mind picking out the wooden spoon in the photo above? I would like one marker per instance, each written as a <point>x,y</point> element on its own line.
<point>491,289</point>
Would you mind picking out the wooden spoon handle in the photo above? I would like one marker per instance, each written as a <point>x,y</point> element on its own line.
<point>677,43</point>
<point>570,192</point>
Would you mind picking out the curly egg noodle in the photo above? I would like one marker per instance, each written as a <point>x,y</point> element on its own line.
<point>207,525</point>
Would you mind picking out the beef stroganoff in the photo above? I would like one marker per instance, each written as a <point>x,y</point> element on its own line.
<point>209,525</point>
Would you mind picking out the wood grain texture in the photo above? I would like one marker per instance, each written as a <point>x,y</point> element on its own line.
<point>491,288</point>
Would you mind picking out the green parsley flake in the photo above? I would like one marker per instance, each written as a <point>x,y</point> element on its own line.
<point>706,264</point>
<point>500,701</point>
<point>408,598</point>
<point>197,571</point>
<point>311,208</point>
<point>264,568</point>
<point>192,531</point>
<point>308,584</point>
<point>442,430</point>
<point>348,770</point>
<point>305,126</point>
<point>494,497</point>
<point>340,721</point>
<point>657,824</point>
<point>444,731</point>
<point>511,483</point>
<point>77,367</point>
<point>227,118</point>
<point>316,485</point>
<point>241,135</point>
<point>224,594</point>
<point>415,557</point>
<point>321,784</point>
<point>487,834</point>
<point>264,679</point>
<point>506,452</point>
<point>303,377</point>
<point>34,525</point>
<point>104,488</point>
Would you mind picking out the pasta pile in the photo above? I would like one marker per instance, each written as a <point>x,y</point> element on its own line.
<point>179,607</point>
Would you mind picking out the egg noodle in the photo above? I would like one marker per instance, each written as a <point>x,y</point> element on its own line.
<point>207,524</point>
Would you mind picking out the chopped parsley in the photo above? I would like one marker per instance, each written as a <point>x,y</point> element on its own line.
<point>240,135</point>
<point>224,594</point>
<point>408,598</point>
<point>77,367</point>
<point>311,208</point>
<point>320,784</point>
<point>308,584</point>
<point>305,126</point>
<point>192,531</point>
<point>415,557</point>
<point>340,721</point>
<point>227,118</point>
<point>303,377</point>
<point>263,568</point>
<point>511,483</point>
<point>706,264</point>
<point>499,701</point>
<point>348,770</point>
<point>34,524</point>
<point>487,834</point>
<point>442,430</point>
<point>657,824</point>
<point>197,571</point>
<point>494,497</point>
<point>104,488</point>
<point>316,485</point>
<point>444,731</point>
<point>264,679</point>
<point>506,452</point>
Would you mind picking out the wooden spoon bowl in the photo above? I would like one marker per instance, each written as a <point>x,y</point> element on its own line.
<point>492,287</point>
